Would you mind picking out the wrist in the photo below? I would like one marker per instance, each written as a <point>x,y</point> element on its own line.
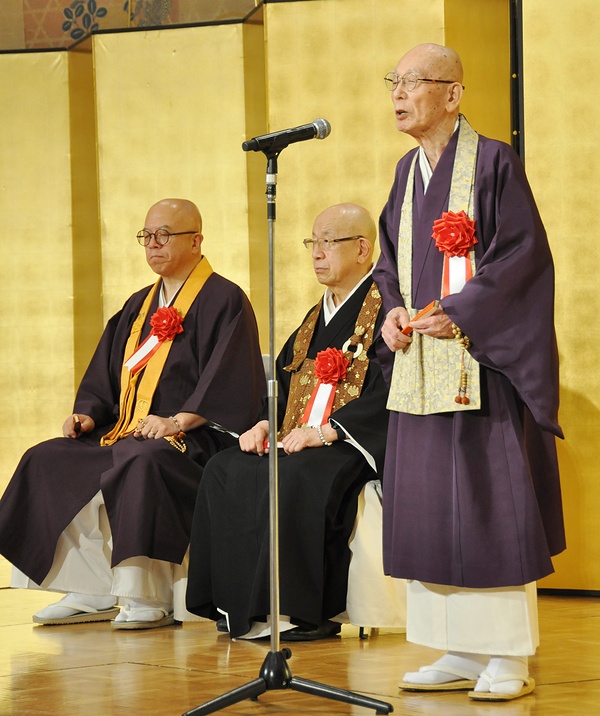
<point>322,437</point>
<point>175,420</point>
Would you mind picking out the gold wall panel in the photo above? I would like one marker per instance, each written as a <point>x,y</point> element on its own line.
<point>170,108</point>
<point>36,291</point>
<point>562,154</point>
<point>479,30</point>
<point>255,104</point>
<point>87,255</point>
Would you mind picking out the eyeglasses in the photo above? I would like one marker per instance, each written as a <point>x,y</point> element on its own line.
<point>327,244</point>
<point>409,81</point>
<point>161,236</point>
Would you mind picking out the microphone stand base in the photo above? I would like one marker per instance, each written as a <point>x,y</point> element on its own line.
<point>275,673</point>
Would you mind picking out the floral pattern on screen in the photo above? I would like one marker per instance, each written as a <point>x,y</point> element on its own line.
<point>82,18</point>
<point>46,24</point>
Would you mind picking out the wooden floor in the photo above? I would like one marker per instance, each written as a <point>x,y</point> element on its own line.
<point>91,670</point>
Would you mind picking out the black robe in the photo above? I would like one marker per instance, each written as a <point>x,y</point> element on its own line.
<point>318,492</point>
<point>214,369</point>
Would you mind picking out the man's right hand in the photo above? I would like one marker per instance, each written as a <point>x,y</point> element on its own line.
<point>253,440</point>
<point>391,331</point>
<point>77,424</point>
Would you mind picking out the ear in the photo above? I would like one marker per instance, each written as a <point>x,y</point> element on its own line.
<point>197,240</point>
<point>364,250</point>
<point>455,93</point>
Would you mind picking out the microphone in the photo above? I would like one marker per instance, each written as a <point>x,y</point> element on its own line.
<point>276,141</point>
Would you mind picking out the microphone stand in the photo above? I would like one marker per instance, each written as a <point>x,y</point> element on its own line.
<point>275,672</point>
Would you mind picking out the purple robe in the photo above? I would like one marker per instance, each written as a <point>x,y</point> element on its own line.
<point>214,369</point>
<point>472,499</point>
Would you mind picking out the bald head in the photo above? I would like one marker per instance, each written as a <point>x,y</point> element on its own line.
<point>343,264</point>
<point>435,61</point>
<point>347,220</point>
<point>180,211</point>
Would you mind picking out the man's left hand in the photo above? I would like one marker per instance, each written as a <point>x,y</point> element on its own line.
<point>300,438</point>
<point>436,325</point>
<point>152,427</point>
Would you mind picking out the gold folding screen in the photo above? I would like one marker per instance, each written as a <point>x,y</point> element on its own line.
<point>92,137</point>
<point>562,153</point>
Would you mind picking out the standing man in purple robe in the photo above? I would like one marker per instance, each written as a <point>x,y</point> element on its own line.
<point>472,504</point>
<point>104,513</point>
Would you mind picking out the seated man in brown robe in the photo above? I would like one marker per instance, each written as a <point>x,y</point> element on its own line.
<point>104,513</point>
<point>332,399</point>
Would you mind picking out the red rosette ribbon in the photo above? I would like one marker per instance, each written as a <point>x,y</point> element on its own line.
<point>166,324</point>
<point>454,233</point>
<point>331,366</point>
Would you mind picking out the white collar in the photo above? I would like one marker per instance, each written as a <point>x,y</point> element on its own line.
<point>329,307</point>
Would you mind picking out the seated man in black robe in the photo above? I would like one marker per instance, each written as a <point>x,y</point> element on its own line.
<point>331,402</point>
<point>104,513</point>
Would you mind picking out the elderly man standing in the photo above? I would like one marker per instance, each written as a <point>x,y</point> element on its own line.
<point>472,505</point>
<point>104,513</point>
<point>331,404</point>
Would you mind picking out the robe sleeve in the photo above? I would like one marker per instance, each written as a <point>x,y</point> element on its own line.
<point>366,417</point>
<point>99,390</point>
<point>231,377</point>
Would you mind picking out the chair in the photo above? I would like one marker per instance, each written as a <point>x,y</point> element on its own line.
<point>374,600</point>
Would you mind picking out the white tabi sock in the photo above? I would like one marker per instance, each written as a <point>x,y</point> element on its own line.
<point>459,665</point>
<point>499,668</point>
<point>57,610</point>
<point>143,610</point>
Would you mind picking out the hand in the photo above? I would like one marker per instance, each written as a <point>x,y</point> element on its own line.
<point>300,438</point>
<point>253,440</point>
<point>391,330</point>
<point>77,424</point>
<point>436,325</point>
<point>153,428</point>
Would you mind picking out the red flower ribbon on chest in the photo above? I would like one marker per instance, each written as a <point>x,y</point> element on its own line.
<point>454,233</point>
<point>330,367</point>
<point>166,323</point>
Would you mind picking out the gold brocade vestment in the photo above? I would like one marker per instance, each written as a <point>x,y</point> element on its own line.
<point>304,380</point>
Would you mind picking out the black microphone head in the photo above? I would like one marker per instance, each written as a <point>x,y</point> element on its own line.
<point>323,128</point>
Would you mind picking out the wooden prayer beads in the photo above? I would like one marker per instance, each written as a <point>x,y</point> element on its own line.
<point>465,343</point>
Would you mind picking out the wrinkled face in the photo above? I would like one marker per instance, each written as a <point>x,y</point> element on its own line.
<point>335,267</point>
<point>420,111</point>
<point>177,257</point>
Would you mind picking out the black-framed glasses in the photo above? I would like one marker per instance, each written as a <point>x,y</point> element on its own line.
<point>161,236</point>
<point>327,244</point>
<point>410,81</point>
